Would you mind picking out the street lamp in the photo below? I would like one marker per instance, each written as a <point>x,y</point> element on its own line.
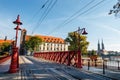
<point>14,66</point>
<point>17,22</point>
<point>80,32</point>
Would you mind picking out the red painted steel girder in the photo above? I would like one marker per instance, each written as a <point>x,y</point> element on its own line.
<point>63,57</point>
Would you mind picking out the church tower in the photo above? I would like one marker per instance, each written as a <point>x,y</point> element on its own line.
<point>98,51</point>
<point>103,48</point>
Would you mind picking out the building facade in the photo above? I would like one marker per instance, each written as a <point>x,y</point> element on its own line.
<point>51,44</point>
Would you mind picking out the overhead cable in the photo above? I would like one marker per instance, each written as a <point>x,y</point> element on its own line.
<point>69,20</point>
<point>43,6</point>
<point>51,5</point>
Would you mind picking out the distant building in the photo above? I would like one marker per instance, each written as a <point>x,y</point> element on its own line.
<point>51,44</point>
<point>103,47</point>
<point>101,51</point>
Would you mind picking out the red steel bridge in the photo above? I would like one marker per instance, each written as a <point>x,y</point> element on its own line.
<point>63,57</point>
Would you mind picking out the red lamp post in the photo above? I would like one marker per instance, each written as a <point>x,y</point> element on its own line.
<point>14,67</point>
<point>79,59</point>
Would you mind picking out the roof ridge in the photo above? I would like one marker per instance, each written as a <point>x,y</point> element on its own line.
<point>48,36</point>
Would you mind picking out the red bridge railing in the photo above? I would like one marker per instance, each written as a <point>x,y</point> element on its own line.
<point>3,59</point>
<point>64,57</point>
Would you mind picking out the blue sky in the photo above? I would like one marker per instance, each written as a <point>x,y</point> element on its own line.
<point>97,22</point>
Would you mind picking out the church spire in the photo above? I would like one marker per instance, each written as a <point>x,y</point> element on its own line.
<point>98,46</point>
<point>102,45</point>
<point>98,51</point>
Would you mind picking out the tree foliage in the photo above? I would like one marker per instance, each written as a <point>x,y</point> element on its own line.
<point>77,41</point>
<point>33,43</point>
<point>92,53</point>
<point>5,47</point>
<point>116,9</point>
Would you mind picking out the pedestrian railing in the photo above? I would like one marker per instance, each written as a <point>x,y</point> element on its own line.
<point>113,65</point>
<point>3,59</point>
<point>69,58</point>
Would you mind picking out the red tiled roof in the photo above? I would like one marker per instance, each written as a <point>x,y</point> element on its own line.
<point>2,41</point>
<point>48,38</point>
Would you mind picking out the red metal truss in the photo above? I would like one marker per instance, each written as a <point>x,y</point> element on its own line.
<point>63,57</point>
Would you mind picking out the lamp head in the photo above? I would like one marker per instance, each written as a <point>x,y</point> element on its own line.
<point>84,32</point>
<point>17,21</point>
<point>17,28</point>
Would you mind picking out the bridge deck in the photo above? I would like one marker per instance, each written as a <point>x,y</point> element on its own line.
<point>34,68</point>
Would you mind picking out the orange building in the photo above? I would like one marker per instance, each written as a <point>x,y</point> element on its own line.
<point>51,43</point>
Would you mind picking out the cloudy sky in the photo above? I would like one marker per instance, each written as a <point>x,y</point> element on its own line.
<point>58,17</point>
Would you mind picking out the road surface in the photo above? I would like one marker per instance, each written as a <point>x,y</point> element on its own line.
<point>37,69</point>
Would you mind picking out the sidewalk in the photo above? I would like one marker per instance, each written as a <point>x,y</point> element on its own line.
<point>4,67</point>
<point>108,73</point>
<point>4,75</point>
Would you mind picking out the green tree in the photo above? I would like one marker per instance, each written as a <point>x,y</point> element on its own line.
<point>33,43</point>
<point>93,52</point>
<point>77,41</point>
<point>5,47</point>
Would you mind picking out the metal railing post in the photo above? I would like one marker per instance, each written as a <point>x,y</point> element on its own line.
<point>103,67</point>
<point>88,64</point>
